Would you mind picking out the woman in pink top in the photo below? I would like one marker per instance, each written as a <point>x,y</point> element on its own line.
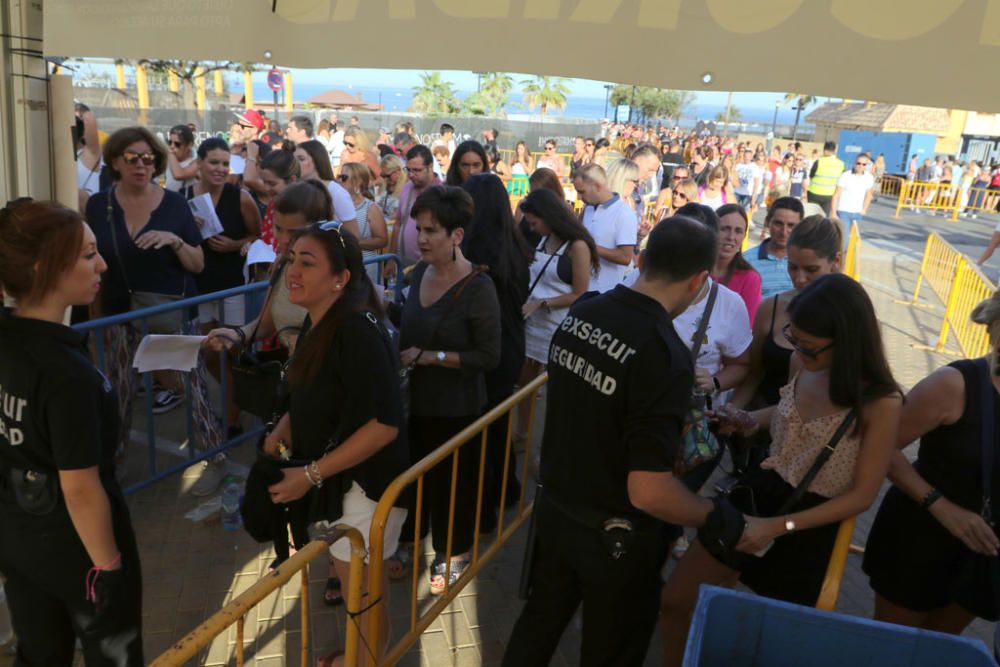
<point>731,269</point>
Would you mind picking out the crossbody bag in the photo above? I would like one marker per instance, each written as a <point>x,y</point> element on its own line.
<point>700,445</point>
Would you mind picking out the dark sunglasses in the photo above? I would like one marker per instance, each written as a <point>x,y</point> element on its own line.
<point>678,178</point>
<point>327,226</point>
<point>861,164</point>
<point>349,144</point>
<point>176,144</point>
<point>681,195</point>
<point>343,178</point>
<point>797,346</point>
<point>131,157</point>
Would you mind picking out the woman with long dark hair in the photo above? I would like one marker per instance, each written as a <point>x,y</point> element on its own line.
<point>182,165</point>
<point>492,239</point>
<point>67,547</point>
<point>469,158</point>
<point>843,398</point>
<point>314,163</point>
<point>731,269</point>
<point>345,411</point>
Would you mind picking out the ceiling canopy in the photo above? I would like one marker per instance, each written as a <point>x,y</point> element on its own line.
<point>941,53</point>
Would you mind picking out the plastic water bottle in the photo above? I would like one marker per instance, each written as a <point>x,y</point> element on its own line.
<point>231,503</point>
<point>6,631</point>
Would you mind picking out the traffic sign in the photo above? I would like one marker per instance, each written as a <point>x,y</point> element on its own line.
<point>275,79</point>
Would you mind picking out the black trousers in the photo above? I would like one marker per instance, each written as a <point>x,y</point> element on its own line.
<point>823,201</point>
<point>46,565</point>
<point>500,384</point>
<point>621,598</point>
<point>426,435</point>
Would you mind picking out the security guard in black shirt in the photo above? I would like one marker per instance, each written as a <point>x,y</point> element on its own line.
<point>620,382</point>
<point>67,548</point>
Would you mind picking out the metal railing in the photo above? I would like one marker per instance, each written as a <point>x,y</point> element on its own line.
<point>140,318</point>
<point>478,558</point>
<point>890,186</point>
<point>234,613</point>
<point>938,268</point>
<point>835,569</point>
<point>952,199</point>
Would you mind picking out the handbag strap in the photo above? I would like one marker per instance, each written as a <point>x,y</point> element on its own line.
<point>545,266</point>
<point>821,459</point>
<point>476,270</point>
<point>272,281</point>
<point>987,436</point>
<point>699,334</point>
<point>114,244</point>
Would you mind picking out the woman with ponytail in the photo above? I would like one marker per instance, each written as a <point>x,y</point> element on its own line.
<point>345,410</point>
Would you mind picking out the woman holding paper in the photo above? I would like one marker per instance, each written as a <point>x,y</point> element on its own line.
<point>152,246</point>
<point>229,220</point>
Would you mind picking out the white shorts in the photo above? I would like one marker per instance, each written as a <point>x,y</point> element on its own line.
<point>359,511</point>
<point>233,310</point>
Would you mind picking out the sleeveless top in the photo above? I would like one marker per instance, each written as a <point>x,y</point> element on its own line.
<point>287,317</point>
<point>796,443</point>
<point>363,226</point>
<point>775,361</point>
<point>949,457</point>
<point>86,178</point>
<point>175,185</point>
<point>223,269</point>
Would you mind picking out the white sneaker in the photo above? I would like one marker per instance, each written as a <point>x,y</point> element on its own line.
<point>165,401</point>
<point>211,474</point>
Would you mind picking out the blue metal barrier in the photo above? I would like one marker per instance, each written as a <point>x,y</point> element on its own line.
<point>253,299</point>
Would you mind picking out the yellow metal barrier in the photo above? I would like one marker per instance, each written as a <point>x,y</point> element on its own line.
<point>979,200</point>
<point>835,570</point>
<point>968,289</point>
<point>235,612</point>
<point>416,473</point>
<point>918,196</point>
<point>890,186</point>
<point>853,250</point>
<point>938,268</point>
<point>567,159</point>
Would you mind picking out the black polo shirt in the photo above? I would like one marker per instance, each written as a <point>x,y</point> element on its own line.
<point>357,382</point>
<point>57,412</point>
<point>620,381</point>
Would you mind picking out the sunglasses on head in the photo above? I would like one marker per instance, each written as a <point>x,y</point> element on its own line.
<point>797,345</point>
<point>131,157</point>
<point>331,227</point>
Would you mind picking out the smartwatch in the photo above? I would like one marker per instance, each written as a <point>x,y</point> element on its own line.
<point>441,356</point>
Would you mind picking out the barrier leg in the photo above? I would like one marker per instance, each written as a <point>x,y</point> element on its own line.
<point>949,313</point>
<point>835,570</point>
<point>903,193</point>
<point>920,276</point>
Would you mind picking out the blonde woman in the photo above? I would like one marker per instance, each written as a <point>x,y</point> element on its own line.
<point>357,148</point>
<point>390,185</point>
<point>356,179</point>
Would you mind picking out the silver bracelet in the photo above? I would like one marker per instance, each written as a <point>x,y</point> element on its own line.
<point>313,474</point>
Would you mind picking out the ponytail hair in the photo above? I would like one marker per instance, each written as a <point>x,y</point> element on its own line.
<point>821,235</point>
<point>39,242</point>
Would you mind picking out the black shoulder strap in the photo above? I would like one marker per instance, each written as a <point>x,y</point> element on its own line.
<point>544,266</point>
<point>821,459</point>
<point>774,314</point>
<point>699,335</point>
<point>987,436</point>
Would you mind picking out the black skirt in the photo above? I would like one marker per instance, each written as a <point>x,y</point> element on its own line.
<point>914,562</point>
<point>794,567</point>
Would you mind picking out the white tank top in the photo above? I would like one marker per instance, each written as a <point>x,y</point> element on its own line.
<point>87,179</point>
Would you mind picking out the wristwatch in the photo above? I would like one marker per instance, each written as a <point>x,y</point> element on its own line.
<point>789,525</point>
<point>441,356</point>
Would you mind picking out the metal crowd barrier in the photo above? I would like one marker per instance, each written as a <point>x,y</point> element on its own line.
<point>890,186</point>
<point>253,294</point>
<point>835,569</point>
<point>188,647</point>
<point>853,251</point>
<point>960,285</point>
<point>479,557</point>
<point>950,198</point>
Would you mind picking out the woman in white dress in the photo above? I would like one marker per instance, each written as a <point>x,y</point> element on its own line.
<point>356,179</point>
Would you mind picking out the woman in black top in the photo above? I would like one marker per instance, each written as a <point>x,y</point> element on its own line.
<point>345,410</point>
<point>930,552</point>
<point>224,252</point>
<point>70,559</point>
<point>450,338</point>
<point>151,242</point>
<point>493,240</point>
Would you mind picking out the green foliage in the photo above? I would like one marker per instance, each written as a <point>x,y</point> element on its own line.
<point>434,95</point>
<point>545,91</point>
<point>492,96</point>
<point>735,115</point>
<point>652,103</point>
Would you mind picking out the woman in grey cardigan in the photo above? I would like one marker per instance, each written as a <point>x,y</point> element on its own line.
<point>450,337</point>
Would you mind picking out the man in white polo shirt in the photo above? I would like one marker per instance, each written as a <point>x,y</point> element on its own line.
<point>612,224</point>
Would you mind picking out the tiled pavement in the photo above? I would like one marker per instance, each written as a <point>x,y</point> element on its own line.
<point>192,569</point>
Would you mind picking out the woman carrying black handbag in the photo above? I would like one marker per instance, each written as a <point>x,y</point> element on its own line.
<point>344,409</point>
<point>932,551</point>
<point>833,434</point>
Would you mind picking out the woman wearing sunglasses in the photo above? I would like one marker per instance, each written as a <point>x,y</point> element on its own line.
<point>182,165</point>
<point>152,245</point>
<point>842,396</point>
<point>357,148</point>
<point>390,185</point>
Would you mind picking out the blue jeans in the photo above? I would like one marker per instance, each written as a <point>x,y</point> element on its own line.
<point>849,219</point>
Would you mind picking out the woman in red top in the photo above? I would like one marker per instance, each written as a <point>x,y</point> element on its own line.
<point>731,269</point>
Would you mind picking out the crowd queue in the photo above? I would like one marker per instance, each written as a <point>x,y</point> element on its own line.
<point>665,344</point>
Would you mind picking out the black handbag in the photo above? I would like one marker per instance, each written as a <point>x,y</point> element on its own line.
<point>977,571</point>
<point>258,376</point>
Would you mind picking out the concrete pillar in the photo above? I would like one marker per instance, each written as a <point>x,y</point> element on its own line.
<point>289,97</point>
<point>199,82</point>
<point>248,89</point>
<point>173,81</point>
<point>141,86</point>
<point>119,76</point>
<point>220,90</point>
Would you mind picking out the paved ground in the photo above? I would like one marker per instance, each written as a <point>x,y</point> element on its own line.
<point>192,569</point>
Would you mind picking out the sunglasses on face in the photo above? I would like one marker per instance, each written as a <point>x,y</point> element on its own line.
<point>681,195</point>
<point>550,148</point>
<point>131,157</point>
<point>797,345</point>
<point>349,144</point>
<point>176,144</point>
<point>678,178</point>
<point>343,178</point>
<point>861,164</point>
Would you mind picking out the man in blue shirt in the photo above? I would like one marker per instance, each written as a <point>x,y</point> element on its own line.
<point>770,258</point>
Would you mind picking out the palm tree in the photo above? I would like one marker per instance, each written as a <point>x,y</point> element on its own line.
<point>803,102</point>
<point>492,95</point>
<point>728,115</point>
<point>653,102</point>
<point>434,95</point>
<point>545,91</point>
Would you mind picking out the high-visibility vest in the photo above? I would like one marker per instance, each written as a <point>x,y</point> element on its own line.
<point>828,170</point>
